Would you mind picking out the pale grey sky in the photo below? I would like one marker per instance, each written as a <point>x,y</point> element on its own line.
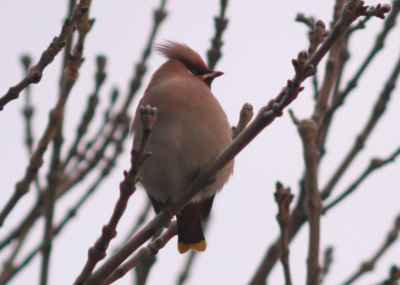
<point>259,43</point>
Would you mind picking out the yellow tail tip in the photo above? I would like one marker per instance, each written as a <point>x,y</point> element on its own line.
<point>183,247</point>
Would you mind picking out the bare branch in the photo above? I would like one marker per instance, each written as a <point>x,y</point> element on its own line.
<point>377,112</point>
<point>283,198</point>
<point>69,78</point>
<point>369,264</point>
<point>374,164</point>
<point>214,53</point>
<point>127,188</point>
<point>144,253</point>
<point>327,264</point>
<point>342,21</point>
<point>35,72</point>
<point>394,276</point>
<point>246,114</point>
<point>90,108</point>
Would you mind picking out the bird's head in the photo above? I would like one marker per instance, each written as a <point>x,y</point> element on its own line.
<point>183,62</point>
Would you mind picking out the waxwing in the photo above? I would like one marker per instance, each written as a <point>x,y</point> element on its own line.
<point>191,129</point>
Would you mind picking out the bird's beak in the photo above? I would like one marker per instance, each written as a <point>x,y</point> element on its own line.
<point>213,74</point>
<point>209,77</point>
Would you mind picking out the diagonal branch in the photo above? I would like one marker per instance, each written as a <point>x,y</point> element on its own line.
<point>127,188</point>
<point>350,12</point>
<point>144,254</point>
<point>69,78</point>
<point>377,112</point>
<point>264,118</point>
<point>375,164</point>
<point>369,264</point>
<point>35,72</point>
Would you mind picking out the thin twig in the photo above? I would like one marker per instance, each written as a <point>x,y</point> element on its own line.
<point>140,70</point>
<point>35,72</point>
<point>299,217</point>
<point>69,78</point>
<point>90,109</point>
<point>368,265</point>
<point>374,164</point>
<point>328,259</point>
<point>6,275</point>
<point>28,112</point>
<point>56,114</point>
<point>28,108</point>
<point>214,53</point>
<point>283,198</point>
<point>122,117</point>
<point>339,97</point>
<point>308,21</point>
<point>127,188</point>
<point>144,253</point>
<point>139,222</point>
<point>394,276</point>
<point>377,112</point>
<point>264,118</point>
<point>142,270</point>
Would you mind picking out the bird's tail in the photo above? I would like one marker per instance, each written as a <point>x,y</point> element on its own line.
<point>190,232</point>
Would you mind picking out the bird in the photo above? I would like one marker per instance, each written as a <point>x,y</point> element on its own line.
<point>191,129</point>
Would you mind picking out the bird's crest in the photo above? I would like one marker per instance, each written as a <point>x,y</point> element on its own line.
<point>182,53</point>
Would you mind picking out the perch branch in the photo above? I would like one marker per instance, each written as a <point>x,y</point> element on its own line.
<point>144,253</point>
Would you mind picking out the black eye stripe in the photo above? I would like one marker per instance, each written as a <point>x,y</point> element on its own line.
<point>195,70</point>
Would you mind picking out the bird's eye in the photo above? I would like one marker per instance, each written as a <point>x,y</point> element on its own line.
<point>194,70</point>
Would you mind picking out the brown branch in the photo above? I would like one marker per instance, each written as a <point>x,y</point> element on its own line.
<point>140,70</point>
<point>28,108</point>
<point>9,266</point>
<point>6,275</point>
<point>127,188</point>
<point>283,198</point>
<point>35,72</point>
<point>374,164</point>
<point>377,112</point>
<point>369,264</point>
<point>313,205</point>
<point>68,44</point>
<point>308,21</point>
<point>207,175</point>
<point>328,259</point>
<point>28,112</point>
<point>246,114</point>
<point>144,253</point>
<point>69,78</point>
<point>22,187</point>
<point>37,209</point>
<point>349,14</point>
<point>339,97</point>
<point>183,276</point>
<point>90,108</point>
<point>265,117</point>
<point>214,53</point>
<point>139,222</point>
<point>393,278</point>
<point>106,120</point>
